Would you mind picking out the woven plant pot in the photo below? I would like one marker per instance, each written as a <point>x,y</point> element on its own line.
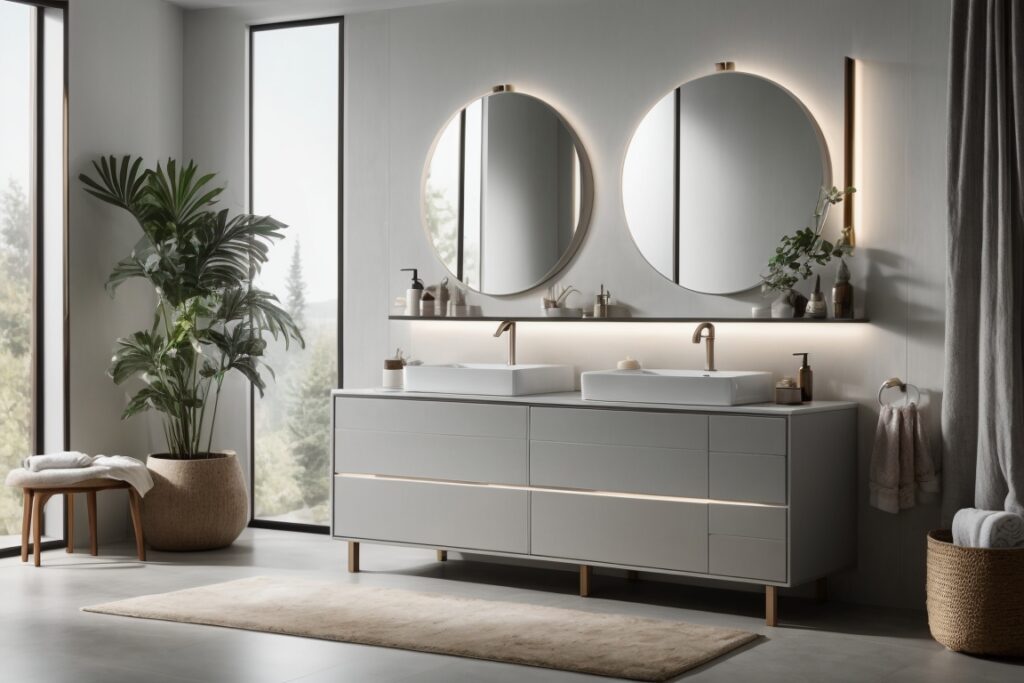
<point>975,597</point>
<point>195,504</point>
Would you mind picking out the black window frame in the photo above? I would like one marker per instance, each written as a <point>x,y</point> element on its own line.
<point>38,256</point>
<point>254,522</point>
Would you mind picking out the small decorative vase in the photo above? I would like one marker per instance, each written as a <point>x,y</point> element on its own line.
<point>842,294</point>
<point>199,504</point>
<point>816,307</point>
<point>783,307</point>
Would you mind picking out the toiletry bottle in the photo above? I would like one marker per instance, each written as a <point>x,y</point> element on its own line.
<point>441,305</point>
<point>427,302</point>
<point>842,293</point>
<point>805,379</point>
<point>816,305</point>
<point>601,302</point>
<point>413,294</point>
<point>393,373</point>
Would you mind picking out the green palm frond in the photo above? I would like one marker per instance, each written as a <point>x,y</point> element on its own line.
<point>176,194</point>
<point>119,184</point>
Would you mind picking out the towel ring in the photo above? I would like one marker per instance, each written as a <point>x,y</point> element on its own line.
<point>902,386</point>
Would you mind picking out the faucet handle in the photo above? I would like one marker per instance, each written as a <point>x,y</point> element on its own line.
<point>504,326</point>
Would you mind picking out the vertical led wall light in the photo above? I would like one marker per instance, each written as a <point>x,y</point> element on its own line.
<point>851,140</point>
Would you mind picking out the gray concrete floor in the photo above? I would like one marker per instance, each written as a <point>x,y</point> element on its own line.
<point>44,637</point>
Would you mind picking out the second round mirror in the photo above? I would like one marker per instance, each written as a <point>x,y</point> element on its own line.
<point>506,193</point>
<point>717,171</point>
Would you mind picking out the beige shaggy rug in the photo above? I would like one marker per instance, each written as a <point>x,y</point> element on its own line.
<point>588,642</point>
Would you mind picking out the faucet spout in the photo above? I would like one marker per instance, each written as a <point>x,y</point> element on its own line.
<point>510,327</point>
<point>709,338</point>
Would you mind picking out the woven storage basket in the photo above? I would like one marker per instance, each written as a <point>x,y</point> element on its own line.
<point>975,597</point>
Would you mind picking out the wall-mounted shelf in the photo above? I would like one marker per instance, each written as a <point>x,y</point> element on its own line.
<point>544,319</point>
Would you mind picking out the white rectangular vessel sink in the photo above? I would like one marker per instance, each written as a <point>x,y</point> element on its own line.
<point>489,379</point>
<point>689,387</point>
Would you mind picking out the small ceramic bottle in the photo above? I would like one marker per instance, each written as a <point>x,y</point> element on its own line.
<point>392,378</point>
<point>842,294</point>
<point>816,307</point>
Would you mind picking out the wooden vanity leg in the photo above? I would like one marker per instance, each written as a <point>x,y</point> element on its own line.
<point>585,575</point>
<point>771,605</point>
<point>821,589</point>
<point>353,557</point>
<point>69,504</point>
<point>632,575</point>
<point>442,555</point>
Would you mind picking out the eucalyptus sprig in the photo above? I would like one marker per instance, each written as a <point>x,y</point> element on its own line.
<point>797,254</point>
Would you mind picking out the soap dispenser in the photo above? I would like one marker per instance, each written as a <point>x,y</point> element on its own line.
<point>413,294</point>
<point>805,378</point>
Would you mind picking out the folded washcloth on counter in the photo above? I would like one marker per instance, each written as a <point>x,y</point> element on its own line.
<point>56,461</point>
<point>975,528</point>
<point>119,467</point>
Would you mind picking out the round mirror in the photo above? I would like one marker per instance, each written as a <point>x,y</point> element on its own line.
<point>506,193</point>
<point>717,172</point>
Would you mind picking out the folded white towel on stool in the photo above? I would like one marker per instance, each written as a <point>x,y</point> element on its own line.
<point>56,461</point>
<point>975,528</point>
<point>119,467</point>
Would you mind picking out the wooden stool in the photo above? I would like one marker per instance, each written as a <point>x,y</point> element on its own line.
<point>35,499</point>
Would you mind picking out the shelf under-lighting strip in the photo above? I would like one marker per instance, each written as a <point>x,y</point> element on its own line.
<point>550,489</point>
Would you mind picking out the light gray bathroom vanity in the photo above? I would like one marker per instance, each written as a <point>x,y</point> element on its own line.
<point>757,494</point>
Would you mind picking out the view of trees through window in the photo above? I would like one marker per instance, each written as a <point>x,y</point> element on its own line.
<point>295,171</point>
<point>16,304</point>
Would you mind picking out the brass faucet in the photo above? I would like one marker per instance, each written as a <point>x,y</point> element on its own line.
<point>510,327</point>
<point>710,343</point>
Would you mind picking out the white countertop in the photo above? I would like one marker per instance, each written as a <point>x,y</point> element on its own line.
<point>573,399</point>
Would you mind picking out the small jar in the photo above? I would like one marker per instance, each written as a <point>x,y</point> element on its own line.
<point>393,374</point>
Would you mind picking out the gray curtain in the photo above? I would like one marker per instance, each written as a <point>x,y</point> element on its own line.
<point>983,405</point>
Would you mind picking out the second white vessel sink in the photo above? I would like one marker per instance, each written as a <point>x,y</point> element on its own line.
<point>489,379</point>
<point>690,387</point>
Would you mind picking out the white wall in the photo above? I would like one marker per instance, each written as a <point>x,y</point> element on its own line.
<point>125,88</point>
<point>603,64</point>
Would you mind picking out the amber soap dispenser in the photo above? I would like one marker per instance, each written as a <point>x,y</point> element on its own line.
<point>805,379</point>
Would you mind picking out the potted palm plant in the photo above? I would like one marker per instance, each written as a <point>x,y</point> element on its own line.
<point>209,321</point>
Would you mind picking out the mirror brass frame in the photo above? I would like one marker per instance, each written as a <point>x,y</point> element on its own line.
<point>827,176</point>
<point>586,191</point>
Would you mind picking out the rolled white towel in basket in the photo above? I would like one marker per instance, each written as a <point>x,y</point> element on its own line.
<point>64,460</point>
<point>975,528</point>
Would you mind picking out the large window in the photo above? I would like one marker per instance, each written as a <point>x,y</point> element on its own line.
<point>32,323</point>
<point>295,173</point>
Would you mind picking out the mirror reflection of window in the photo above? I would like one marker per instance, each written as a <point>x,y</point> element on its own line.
<point>717,171</point>
<point>441,203</point>
<point>472,195</point>
<point>503,195</point>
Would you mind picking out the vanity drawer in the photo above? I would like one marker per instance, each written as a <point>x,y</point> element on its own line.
<point>741,520</point>
<point>752,478</point>
<point>444,515</point>
<point>747,558</point>
<point>431,456</point>
<point>620,427</point>
<point>419,416</point>
<point>745,434</point>
<point>629,469</point>
<point>626,531</point>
